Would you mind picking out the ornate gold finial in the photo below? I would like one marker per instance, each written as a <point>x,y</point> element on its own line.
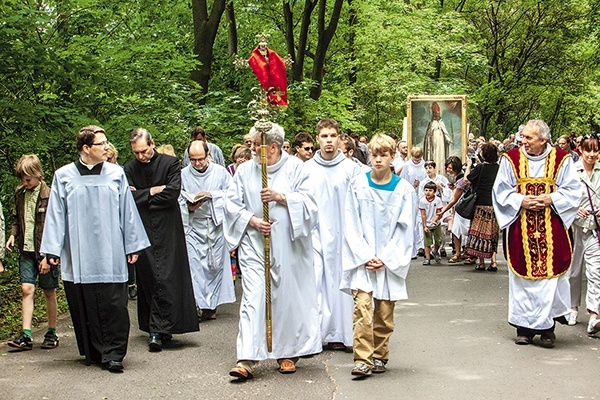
<point>263,38</point>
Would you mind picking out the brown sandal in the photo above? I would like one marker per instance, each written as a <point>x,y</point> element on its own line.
<point>480,267</point>
<point>287,366</point>
<point>240,373</point>
<point>470,261</point>
<point>455,259</point>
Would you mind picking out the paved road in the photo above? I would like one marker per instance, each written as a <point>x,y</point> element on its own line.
<point>452,341</point>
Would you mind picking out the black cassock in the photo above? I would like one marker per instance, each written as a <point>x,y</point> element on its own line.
<point>99,312</point>
<point>165,294</point>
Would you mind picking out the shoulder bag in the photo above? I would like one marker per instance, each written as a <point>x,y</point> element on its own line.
<point>465,206</point>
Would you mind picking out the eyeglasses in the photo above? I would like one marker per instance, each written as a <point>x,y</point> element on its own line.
<point>309,148</point>
<point>102,143</point>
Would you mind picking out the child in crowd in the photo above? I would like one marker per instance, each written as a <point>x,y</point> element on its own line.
<point>378,225</point>
<point>429,205</point>
<point>442,191</point>
<point>31,200</point>
<point>414,172</point>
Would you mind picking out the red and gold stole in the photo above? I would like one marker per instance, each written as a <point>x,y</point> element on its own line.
<point>538,245</point>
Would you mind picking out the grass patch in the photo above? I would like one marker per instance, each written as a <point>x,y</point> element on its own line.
<point>10,297</point>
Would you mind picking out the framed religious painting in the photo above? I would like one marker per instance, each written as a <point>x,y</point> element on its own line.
<point>438,125</point>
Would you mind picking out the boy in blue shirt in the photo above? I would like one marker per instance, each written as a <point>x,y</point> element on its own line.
<point>378,226</point>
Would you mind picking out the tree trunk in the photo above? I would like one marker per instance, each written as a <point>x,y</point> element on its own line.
<point>352,21</point>
<point>205,32</point>
<point>232,37</point>
<point>325,35</point>
<point>298,54</point>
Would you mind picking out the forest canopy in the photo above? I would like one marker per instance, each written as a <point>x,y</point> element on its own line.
<point>168,66</point>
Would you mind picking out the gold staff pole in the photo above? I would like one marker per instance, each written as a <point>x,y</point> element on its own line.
<point>263,126</point>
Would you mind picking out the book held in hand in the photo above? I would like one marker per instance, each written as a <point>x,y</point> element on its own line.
<point>195,198</point>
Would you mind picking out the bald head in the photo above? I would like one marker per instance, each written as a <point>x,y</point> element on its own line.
<point>198,152</point>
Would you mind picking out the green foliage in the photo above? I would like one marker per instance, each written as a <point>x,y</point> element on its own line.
<point>122,64</point>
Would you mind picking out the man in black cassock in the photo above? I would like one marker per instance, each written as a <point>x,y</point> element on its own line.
<point>93,228</point>
<point>165,296</point>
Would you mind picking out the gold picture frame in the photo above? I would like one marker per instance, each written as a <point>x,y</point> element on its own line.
<point>440,137</point>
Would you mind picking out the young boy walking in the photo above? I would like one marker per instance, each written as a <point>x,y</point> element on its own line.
<point>378,228</point>
<point>429,205</point>
<point>31,200</point>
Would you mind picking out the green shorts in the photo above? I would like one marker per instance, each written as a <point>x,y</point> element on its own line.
<point>433,236</point>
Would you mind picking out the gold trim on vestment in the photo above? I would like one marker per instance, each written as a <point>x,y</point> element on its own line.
<point>538,247</point>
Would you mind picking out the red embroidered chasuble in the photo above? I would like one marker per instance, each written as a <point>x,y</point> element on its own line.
<point>538,245</point>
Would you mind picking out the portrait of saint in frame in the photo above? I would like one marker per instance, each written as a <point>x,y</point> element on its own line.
<point>438,125</point>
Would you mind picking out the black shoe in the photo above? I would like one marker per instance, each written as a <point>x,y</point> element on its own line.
<point>132,289</point>
<point>166,337</point>
<point>21,342</point>
<point>113,366</point>
<point>548,339</point>
<point>154,343</point>
<point>50,340</point>
<point>421,253</point>
<point>523,340</point>
<point>443,252</point>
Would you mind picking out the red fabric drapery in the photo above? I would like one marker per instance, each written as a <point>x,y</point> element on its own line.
<point>271,75</point>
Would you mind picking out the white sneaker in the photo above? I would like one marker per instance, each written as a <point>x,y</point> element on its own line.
<point>573,317</point>
<point>593,327</point>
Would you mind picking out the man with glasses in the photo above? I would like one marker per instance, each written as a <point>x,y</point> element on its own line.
<point>203,187</point>
<point>304,145</point>
<point>93,228</point>
<point>216,154</point>
<point>165,295</point>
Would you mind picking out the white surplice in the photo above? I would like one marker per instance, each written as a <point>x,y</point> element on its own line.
<point>330,180</point>
<point>534,304</point>
<point>412,172</point>
<point>378,223</point>
<point>293,289</point>
<point>210,264</point>
<point>92,223</point>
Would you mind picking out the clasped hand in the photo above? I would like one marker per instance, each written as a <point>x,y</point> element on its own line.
<point>536,203</point>
<point>374,265</point>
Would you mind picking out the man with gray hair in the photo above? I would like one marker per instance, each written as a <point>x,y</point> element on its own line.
<point>165,296</point>
<point>292,215</point>
<point>536,198</point>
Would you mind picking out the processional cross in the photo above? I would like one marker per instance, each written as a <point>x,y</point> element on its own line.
<point>270,69</point>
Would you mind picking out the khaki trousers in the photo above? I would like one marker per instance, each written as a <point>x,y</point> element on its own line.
<point>372,327</point>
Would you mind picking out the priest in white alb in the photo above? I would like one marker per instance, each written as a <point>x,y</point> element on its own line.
<point>536,196</point>
<point>292,215</point>
<point>210,264</point>
<point>330,173</point>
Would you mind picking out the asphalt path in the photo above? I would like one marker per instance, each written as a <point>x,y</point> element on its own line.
<point>451,341</point>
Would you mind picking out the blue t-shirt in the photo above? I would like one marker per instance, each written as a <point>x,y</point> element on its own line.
<point>390,186</point>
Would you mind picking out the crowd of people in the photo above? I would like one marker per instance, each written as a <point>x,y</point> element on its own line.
<point>345,219</point>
